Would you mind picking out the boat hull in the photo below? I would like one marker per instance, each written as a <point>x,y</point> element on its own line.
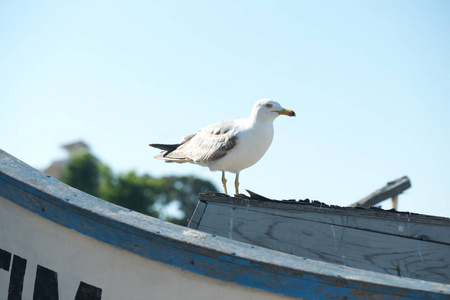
<point>53,262</point>
<point>59,243</point>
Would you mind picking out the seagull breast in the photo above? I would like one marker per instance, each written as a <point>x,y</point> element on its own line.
<point>252,141</point>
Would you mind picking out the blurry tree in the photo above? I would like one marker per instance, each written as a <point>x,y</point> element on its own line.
<point>180,193</point>
<point>171,198</point>
<point>82,171</point>
<point>134,192</point>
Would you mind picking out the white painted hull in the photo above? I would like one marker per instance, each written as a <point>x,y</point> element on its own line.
<point>59,243</point>
<point>116,273</point>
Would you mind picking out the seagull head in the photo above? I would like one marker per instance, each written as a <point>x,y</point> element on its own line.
<point>267,109</point>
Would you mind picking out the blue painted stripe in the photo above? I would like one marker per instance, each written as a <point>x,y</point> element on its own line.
<point>211,256</point>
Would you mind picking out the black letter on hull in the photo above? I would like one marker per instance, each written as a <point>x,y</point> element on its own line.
<point>46,284</point>
<point>16,278</point>
<point>88,292</point>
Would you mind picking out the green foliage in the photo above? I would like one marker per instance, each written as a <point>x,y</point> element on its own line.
<point>183,191</point>
<point>134,192</point>
<point>171,198</point>
<point>83,172</point>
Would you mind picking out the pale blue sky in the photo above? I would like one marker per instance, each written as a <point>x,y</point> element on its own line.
<point>369,81</point>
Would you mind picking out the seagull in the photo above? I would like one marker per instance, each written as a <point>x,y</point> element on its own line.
<point>228,146</point>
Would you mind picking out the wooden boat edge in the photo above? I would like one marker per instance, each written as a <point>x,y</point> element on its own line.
<point>192,250</point>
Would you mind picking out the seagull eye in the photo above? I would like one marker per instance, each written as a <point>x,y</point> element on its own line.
<point>269,105</point>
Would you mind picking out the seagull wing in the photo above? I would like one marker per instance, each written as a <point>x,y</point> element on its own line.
<point>208,144</point>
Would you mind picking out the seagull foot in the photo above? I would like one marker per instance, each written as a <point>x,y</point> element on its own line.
<point>224,182</point>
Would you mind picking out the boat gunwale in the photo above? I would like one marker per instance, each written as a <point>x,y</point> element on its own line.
<point>191,250</point>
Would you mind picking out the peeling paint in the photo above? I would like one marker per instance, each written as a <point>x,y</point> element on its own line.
<point>194,234</point>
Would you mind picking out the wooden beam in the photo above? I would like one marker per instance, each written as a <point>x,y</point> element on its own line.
<point>390,190</point>
<point>395,202</point>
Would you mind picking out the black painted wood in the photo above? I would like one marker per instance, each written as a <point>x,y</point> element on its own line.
<point>5,260</point>
<point>46,284</point>
<point>88,292</point>
<point>16,279</point>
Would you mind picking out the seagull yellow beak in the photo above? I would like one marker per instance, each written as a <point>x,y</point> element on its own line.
<point>286,112</point>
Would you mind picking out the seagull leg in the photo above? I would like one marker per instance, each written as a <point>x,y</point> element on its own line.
<point>236,183</point>
<point>224,182</point>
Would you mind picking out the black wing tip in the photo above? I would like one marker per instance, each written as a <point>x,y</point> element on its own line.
<point>169,148</point>
<point>154,145</point>
<point>164,146</point>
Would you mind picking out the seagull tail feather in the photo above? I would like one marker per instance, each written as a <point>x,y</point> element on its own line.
<point>168,149</point>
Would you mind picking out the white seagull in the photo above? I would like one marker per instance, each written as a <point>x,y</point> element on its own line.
<point>228,146</point>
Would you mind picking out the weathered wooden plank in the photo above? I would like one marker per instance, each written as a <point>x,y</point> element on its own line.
<point>415,226</point>
<point>402,227</point>
<point>320,207</point>
<point>330,242</point>
<point>196,217</point>
<point>391,190</point>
